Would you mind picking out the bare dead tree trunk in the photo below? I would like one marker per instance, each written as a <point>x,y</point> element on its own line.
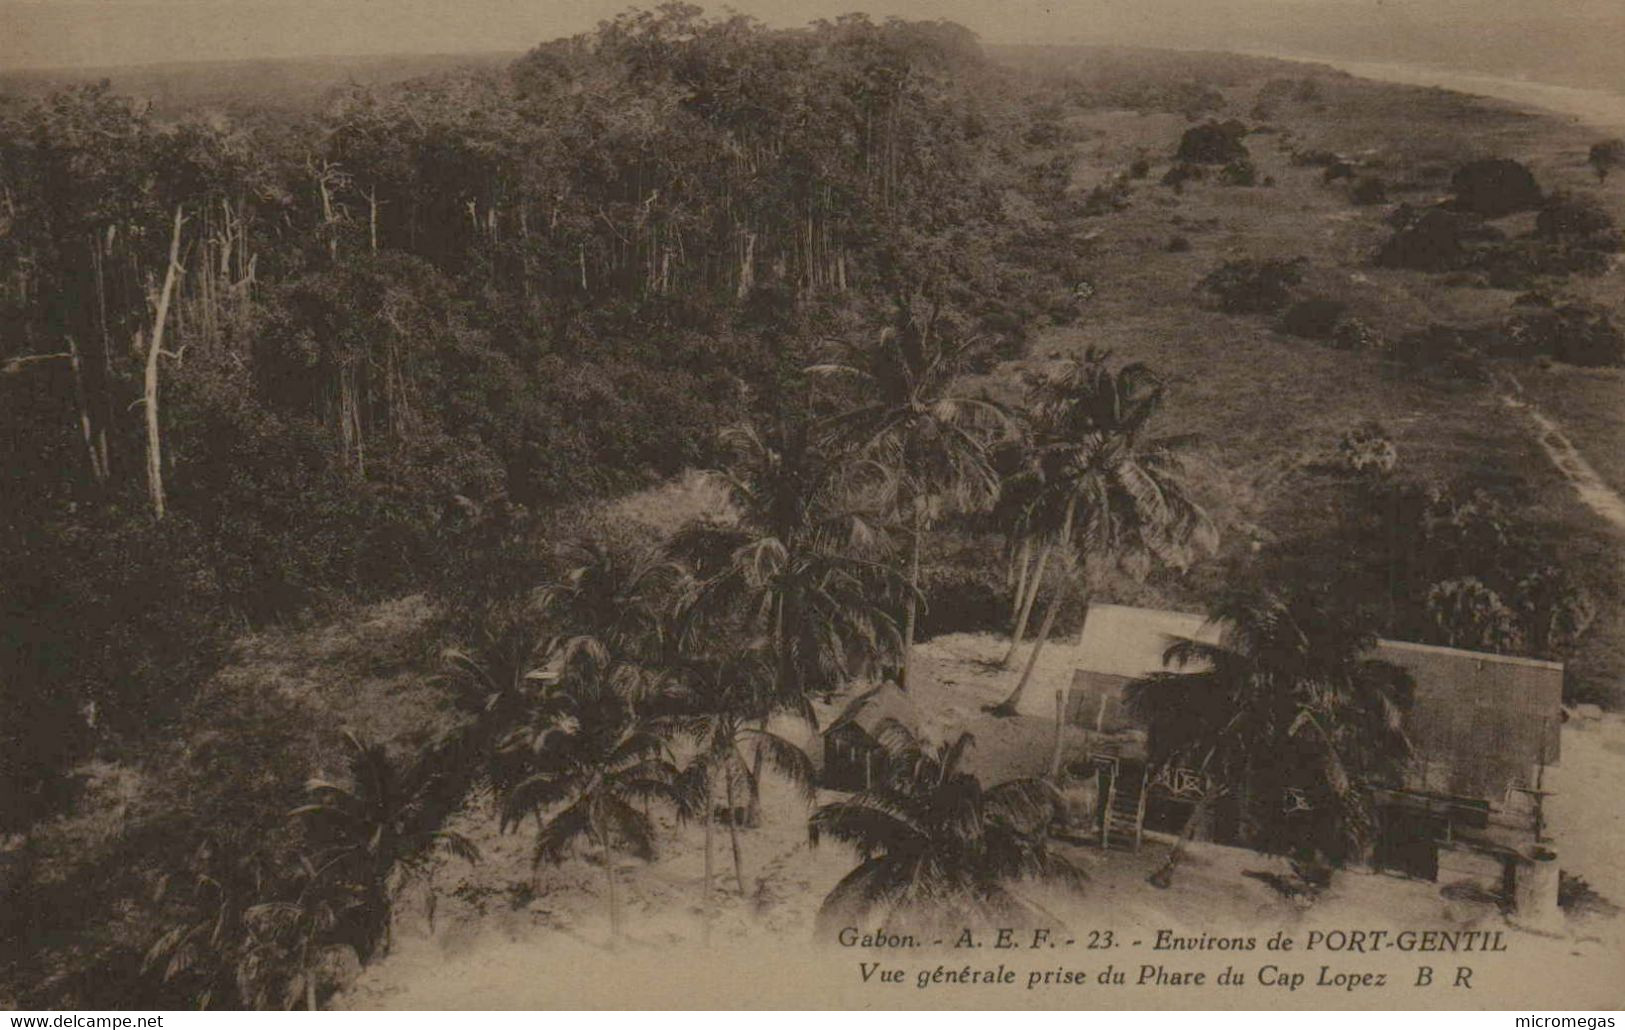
<point>97,471</point>
<point>155,460</point>
<point>747,267</point>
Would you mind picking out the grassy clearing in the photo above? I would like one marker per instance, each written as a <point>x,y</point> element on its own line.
<point>1263,402</point>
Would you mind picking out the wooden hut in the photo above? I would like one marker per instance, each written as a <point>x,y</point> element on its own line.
<point>853,757</point>
<point>1483,729</point>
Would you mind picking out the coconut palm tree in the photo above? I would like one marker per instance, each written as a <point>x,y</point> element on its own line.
<point>727,701</point>
<point>200,953</point>
<point>592,784</point>
<point>913,415</point>
<point>1103,488</point>
<point>380,830</point>
<point>931,841</point>
<point>611,608</point>
<point>1285,710</point>
<point>796,567</point>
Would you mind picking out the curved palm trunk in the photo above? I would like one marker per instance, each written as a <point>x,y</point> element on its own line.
<point>733,835</point>
<point>1010,704</point>
<point>911,611</point>
<point>1163,878</point>
<point>1026,610</point>
<point>1023,563</point>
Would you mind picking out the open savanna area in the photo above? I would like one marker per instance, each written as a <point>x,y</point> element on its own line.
<point>634,510</point>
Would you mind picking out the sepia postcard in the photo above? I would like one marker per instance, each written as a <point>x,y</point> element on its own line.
<point>927,504</point>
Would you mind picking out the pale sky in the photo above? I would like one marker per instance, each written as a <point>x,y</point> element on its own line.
<point>56,33</point>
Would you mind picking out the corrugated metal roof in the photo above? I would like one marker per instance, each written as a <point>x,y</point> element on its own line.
<point>1122,641</point>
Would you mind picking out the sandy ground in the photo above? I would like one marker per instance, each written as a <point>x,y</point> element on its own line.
<point>1599,108</point>
<point>499,936</point>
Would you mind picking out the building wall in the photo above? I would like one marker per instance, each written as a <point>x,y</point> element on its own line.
<point>1478,725</point>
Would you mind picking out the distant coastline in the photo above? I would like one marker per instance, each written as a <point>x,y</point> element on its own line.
<point>1601,109</point>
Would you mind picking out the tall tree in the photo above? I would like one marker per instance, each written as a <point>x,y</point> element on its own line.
<point>591,783</point>
<point>1103,487</point>
<point>913,413</point>
<point>795,565</point>
<point>726,705</point>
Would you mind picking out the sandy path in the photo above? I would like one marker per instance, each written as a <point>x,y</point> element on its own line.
<point>1601,109</point>
<point>1591,488</point>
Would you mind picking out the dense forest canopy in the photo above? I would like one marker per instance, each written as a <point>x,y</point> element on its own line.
<point>475,292</point>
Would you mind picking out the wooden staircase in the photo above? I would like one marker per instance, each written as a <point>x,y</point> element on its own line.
<point>1122,821</point>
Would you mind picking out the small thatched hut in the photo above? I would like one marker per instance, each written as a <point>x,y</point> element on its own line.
<point>852,752</point>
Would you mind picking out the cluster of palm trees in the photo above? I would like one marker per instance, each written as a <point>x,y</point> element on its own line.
<point>668,675</point>
<point>674,674</point>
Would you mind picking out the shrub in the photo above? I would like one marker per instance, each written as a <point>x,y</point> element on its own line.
<point>1213,143</point>
<point>1315,158</point>
<point>1367,448</point>
<point>1107,198</point>
<point>1496,186</point>
<point>1315,318</point>
<point>1337,170</point>
<point>1434,240</point>
<point>1253,287</point>
<point>1454,350</point>
<point>1565,216</point>
<point>1577,334</point>
<point>1139,169</point>
<point>1605,155</point>
<point>1179,245</point>
<point>1355,334</point>
<point>1238,173</point>
<point>1182,173</point>
<point>1369,191</point>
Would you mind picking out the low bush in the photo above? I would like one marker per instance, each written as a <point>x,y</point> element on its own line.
<point>1369,191</point>
<point>1239,173</point>
<point>1181,173</point>
<point>1492,187</point>
<point>1253,287</point>
<point>1337,170</point>
<point>1576,334</point>
<point>1579,219</point>
<point>1434,239</point>
<point>1355,334</point>
<point>1213,143</point>
<point>1315,318</point>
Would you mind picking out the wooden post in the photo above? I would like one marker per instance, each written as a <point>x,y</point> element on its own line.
<point>1060,734</point>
